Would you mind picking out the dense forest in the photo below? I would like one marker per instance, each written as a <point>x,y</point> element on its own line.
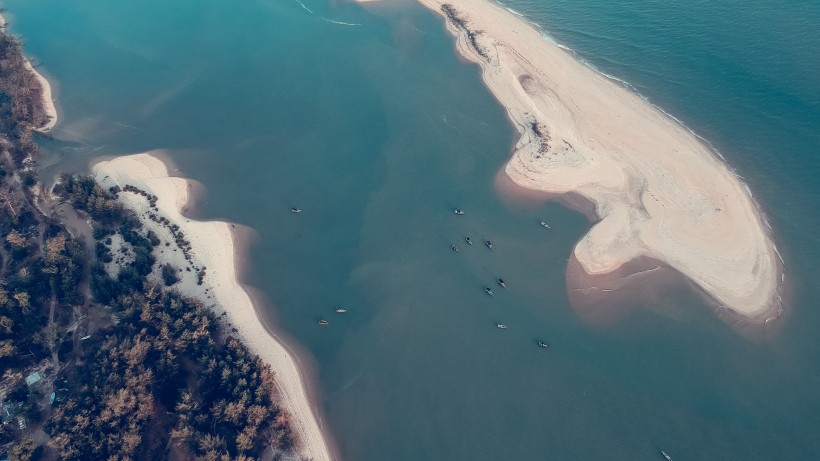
<point>96,364</point>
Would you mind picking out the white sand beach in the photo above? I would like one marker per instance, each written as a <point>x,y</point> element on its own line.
<point>658,190</point>
<point>45,92</point>
<point>48,100</point>
<point>213,247</point>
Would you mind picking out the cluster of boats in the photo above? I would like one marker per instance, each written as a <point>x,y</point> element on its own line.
<point>339,310</point>
<point>469,241</point>
<point>455,248</point>
<point>500,281</point>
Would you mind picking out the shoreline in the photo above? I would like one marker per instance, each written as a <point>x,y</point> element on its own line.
<point>658,190</point>
<point>217,249</point>
<point>46,94</point>
<point>47,100</point>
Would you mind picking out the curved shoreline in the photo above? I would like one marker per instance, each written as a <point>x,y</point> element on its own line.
<point>214,248</point>
<point>659,191</point>
<point>46,96</point>
<point>47,100</point>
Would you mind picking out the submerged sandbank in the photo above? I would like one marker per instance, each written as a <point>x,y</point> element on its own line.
<point>657,190</point>
<point>214,249</point>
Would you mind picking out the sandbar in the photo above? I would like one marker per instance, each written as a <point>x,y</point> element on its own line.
<point>214,248</point>
<point>656,190</point>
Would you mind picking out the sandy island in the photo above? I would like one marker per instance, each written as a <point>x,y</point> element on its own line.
<point>213,247</point>
<point>658,195</point>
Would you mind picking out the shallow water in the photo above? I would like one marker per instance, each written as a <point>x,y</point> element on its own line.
<point>376,131</point>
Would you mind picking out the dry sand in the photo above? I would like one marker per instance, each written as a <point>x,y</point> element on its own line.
<point>48,100</point>
<point>659,192</point>
<point>213,247</point>
<point>45,91</point>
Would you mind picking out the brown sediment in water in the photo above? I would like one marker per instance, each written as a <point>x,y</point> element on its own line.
<point>602,300</point>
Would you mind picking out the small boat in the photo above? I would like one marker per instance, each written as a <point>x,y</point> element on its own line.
<point>455,248</point>
<point>468,240</point>
<point>666,456</point>
<point>323,322</point>
<point>341,310</point>
<point>488,291</point>
<point>545,225</point>
<point>501,283</point>
<point>543,344</point>
<point>489,244</point>
<point>458,212</point>
<point>295,210</point>
<point>501,325</point>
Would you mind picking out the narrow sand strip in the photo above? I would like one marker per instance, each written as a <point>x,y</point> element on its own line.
<point>45,91</point>
<point>213,247</point>
<point>658,190</point>
<point>48,100</point>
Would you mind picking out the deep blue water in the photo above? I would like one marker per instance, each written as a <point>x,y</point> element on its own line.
<point>377,129</point>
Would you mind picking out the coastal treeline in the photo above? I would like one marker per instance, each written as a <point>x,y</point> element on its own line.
<point>41,264</point>
<point>100,358</point>
<point>20,101</point>
<point>169,372</point>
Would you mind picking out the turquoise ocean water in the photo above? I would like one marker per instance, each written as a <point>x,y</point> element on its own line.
<point>367,120</point>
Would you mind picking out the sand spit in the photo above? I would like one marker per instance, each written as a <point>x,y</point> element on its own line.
<point>659,192</point>
<point>214,249</point>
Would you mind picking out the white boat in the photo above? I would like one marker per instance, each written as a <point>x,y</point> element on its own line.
<point>501,325</point>
<point>666,456</point>
<point>545,225</point>
<point>295,210</point>
<point>341,310</point>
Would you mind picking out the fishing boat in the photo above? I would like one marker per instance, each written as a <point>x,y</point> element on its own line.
<point>545,225</point>
<point>458,212</point>
<point>468,240</point>
<point>341,310</point>
<point>666,456</point>
<point>489,244</point>
<point>543,344</point>
<point>501,283</point>
<point>295,210</point>
<point>501,326</point>
<point>323,322</point>
<point>455,248</point>
<point>488,291</point>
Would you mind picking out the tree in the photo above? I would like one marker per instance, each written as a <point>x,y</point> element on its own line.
<point>169,274</point>
<point>22,451</point>
<point>7,349</point>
